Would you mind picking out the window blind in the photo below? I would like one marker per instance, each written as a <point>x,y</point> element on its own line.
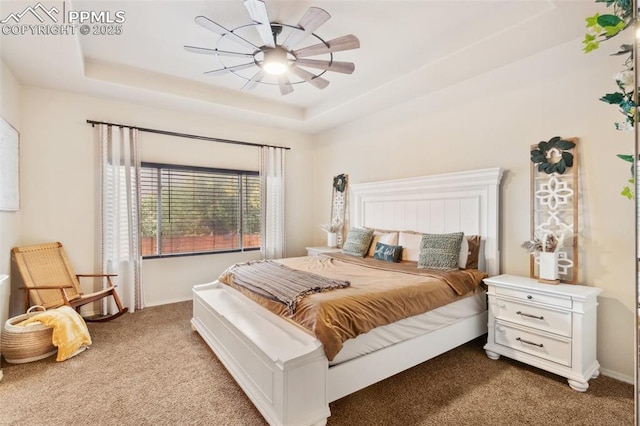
<point>189,210</point>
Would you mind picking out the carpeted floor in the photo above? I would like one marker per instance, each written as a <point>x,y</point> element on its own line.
<point>150,368</point>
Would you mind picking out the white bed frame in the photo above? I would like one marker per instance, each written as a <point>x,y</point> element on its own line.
<point>283,369</point>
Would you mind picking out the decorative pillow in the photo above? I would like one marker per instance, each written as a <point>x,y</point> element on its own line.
<point>358,241</point>
<point>389,238</point>
<point>440,251</point>
<point>474,251</point>
<point>410,242</point>
<point>464,253</point>
<point>387,252</point>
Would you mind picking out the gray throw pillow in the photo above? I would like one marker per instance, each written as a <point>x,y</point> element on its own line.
<point>440,251</point>
<point>358,241</point>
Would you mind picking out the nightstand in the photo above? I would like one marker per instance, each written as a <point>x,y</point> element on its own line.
<point>314,251</point>
<point>552,327</point>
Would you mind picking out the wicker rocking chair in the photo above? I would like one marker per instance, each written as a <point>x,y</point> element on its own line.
<point>49,280</point>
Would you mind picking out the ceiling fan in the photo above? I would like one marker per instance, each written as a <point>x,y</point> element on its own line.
<point>278,63</point>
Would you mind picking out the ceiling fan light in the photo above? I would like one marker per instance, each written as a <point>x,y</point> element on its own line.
<point>275,61</point>
<point>274,68</point>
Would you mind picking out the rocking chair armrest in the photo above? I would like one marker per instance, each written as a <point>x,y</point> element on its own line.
<point>46,287</point>
<point>107,276</point>
<point>96,275</point>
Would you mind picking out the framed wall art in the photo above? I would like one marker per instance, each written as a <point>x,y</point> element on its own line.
<point>339,206</point>
<point>9,167</point>
<point>554,210</point>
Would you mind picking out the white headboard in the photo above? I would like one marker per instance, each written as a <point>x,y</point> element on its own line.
<point>463,201</point>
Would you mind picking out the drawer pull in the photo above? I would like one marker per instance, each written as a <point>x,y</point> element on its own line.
<point>529,315</point>
<point>540,345</point>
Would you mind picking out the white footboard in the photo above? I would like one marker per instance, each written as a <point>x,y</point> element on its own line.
<point>282,369</point>
<point>357,373</point>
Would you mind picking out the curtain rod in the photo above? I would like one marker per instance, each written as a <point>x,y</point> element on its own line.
<point>186,135</point>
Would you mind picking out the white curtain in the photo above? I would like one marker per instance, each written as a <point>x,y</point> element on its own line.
<point>120,194</point>
<point>272,177</point>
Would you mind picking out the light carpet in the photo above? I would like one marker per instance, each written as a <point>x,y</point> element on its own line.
<point>150,368</point>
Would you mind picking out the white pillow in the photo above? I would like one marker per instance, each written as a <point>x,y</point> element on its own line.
<point>389,238</point>
<point>464,253</point>
<point>410,243</point>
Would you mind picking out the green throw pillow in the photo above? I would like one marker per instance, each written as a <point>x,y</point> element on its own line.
<point>358,241</point>
<point>440,251</point>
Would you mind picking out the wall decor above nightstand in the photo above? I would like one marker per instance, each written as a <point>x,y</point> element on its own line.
<point>554,209</point>
<point>339,206</point>
<point>552,327</point>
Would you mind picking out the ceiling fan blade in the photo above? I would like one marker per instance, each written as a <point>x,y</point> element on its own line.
<point>310,78</point>
<point>310,21</point>
<point>336,66</point>
<point>232,68</point>
<point>205,51</point>
<point>347,42</point>
<point>258,13</point>
<point>253,82</point>
<point>207,23</point>
<point>285,85</point>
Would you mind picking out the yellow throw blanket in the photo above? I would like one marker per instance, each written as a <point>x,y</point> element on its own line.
<point>70,332</point>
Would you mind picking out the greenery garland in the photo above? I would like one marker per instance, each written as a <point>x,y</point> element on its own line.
<point>601,28</point>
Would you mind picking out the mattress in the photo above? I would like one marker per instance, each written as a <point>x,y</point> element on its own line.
<point>380,293</point>
<point>405,329</point>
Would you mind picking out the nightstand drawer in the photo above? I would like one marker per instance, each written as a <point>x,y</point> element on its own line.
<point>545,346</point>
<point>529,315</point>
<point>530,296</point>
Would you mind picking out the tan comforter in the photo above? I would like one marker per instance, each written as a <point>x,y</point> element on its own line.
<point>380,293</point>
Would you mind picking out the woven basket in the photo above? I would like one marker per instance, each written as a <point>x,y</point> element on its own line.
<point>20,344</point>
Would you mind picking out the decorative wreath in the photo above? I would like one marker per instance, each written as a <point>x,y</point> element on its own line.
<point>340,182</point>
<point>553,156</point>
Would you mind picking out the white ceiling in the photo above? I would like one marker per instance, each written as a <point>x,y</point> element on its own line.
<point>408,49</point>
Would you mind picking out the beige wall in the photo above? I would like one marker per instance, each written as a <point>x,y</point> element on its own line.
<point>485,122</point>
<point>10,102</point>
<point>491,121</point>
<point>60,173</point>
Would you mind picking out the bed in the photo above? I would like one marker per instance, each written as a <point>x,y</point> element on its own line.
<point>284,369</point>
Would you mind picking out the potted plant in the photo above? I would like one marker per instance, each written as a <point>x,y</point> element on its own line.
<point>546,247</point>
<point>332,232</point>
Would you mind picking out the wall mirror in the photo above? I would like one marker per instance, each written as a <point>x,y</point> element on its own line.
<point>636,152</point>
<point>630,49</point>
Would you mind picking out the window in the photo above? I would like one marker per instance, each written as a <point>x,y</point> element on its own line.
<point>192,210</point>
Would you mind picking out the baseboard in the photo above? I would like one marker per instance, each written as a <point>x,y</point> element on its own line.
<point>87,313</point>
<point>169,301</point>
<point>617,376</point>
